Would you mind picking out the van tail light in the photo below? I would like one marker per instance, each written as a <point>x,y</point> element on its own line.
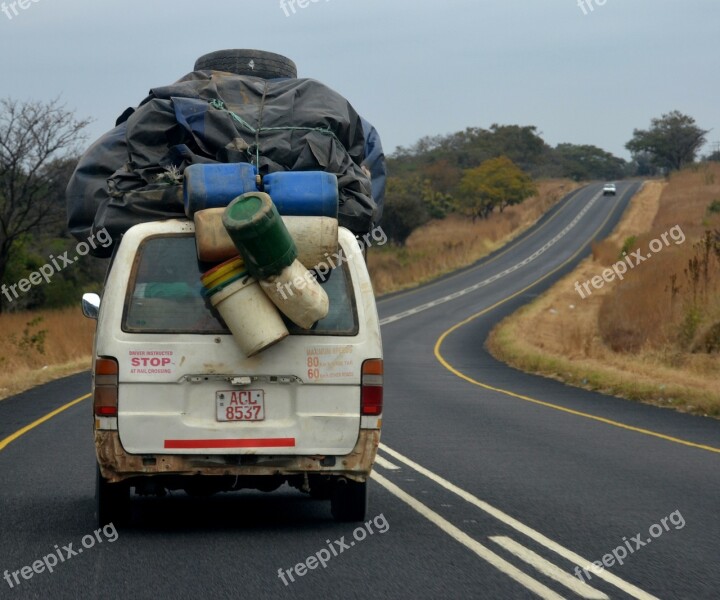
<point>371,386</point>
<point>105,400</point>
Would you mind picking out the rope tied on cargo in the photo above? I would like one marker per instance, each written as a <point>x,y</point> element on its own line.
<point>256,131</point>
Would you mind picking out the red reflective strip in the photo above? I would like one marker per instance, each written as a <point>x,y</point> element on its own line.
<point>247,443</point>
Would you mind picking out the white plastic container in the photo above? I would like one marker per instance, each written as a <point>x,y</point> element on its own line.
<point>250,315</point>
<point>316,238</point>
<point>298,295</point>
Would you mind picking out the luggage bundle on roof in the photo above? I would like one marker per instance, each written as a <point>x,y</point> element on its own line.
<point>234,145</point>
<point>238,106</point>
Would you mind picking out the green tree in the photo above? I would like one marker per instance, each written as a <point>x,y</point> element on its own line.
<point>444,177</point>
<point>404,209</point>
<point>35,141</point>
<point>673,140</point>
<point>583,162</point>
<point>496,183</point>
<point>520,143</point>
<point>471,147</point>
<point>644,164</point>
<point>410,203</point>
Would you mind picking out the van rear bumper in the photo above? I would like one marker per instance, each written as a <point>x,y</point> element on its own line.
<point>117,465</point>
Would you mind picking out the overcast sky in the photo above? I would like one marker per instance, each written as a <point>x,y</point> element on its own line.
<point>414,68</point>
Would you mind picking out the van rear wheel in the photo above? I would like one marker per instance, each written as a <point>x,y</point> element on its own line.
<point>112,501</point>
<point>349,500</point>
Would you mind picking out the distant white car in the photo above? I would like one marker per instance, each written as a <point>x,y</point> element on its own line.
<point>609,189</point>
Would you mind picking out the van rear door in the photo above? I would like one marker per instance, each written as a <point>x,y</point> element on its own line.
<point>185,387</point>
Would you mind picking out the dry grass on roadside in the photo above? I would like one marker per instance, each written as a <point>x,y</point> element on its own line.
<point>37,347</point>
<point>662,306</point>
<point>626,338</point>
<point>455,242</point>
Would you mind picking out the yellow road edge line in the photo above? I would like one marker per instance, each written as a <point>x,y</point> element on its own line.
<point>40,421</point>
<point>474,267</point>
<point>457,373</point>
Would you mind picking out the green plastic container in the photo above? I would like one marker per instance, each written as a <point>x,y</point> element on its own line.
<point>260,235</point>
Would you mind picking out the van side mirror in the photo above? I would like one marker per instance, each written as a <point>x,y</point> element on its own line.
<point>91,305</point>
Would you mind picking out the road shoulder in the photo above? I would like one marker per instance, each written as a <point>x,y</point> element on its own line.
<point>557,335</point>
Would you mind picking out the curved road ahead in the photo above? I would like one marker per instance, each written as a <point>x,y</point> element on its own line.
<point>490,483</point>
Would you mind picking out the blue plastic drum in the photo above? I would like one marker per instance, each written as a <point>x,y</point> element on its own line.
<point>303,193</point>
<point>216,185</point>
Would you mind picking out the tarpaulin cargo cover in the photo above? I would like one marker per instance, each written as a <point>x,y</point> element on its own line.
<point>133,173</point>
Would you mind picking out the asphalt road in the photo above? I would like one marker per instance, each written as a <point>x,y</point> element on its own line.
<point>490,483</point>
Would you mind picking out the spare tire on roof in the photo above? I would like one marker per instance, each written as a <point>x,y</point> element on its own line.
<point>257,63</point>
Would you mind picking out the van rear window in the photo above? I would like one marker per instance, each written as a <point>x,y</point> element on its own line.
<point>165,294</point>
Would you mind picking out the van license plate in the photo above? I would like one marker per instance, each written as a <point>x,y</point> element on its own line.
<point>240,405</point>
